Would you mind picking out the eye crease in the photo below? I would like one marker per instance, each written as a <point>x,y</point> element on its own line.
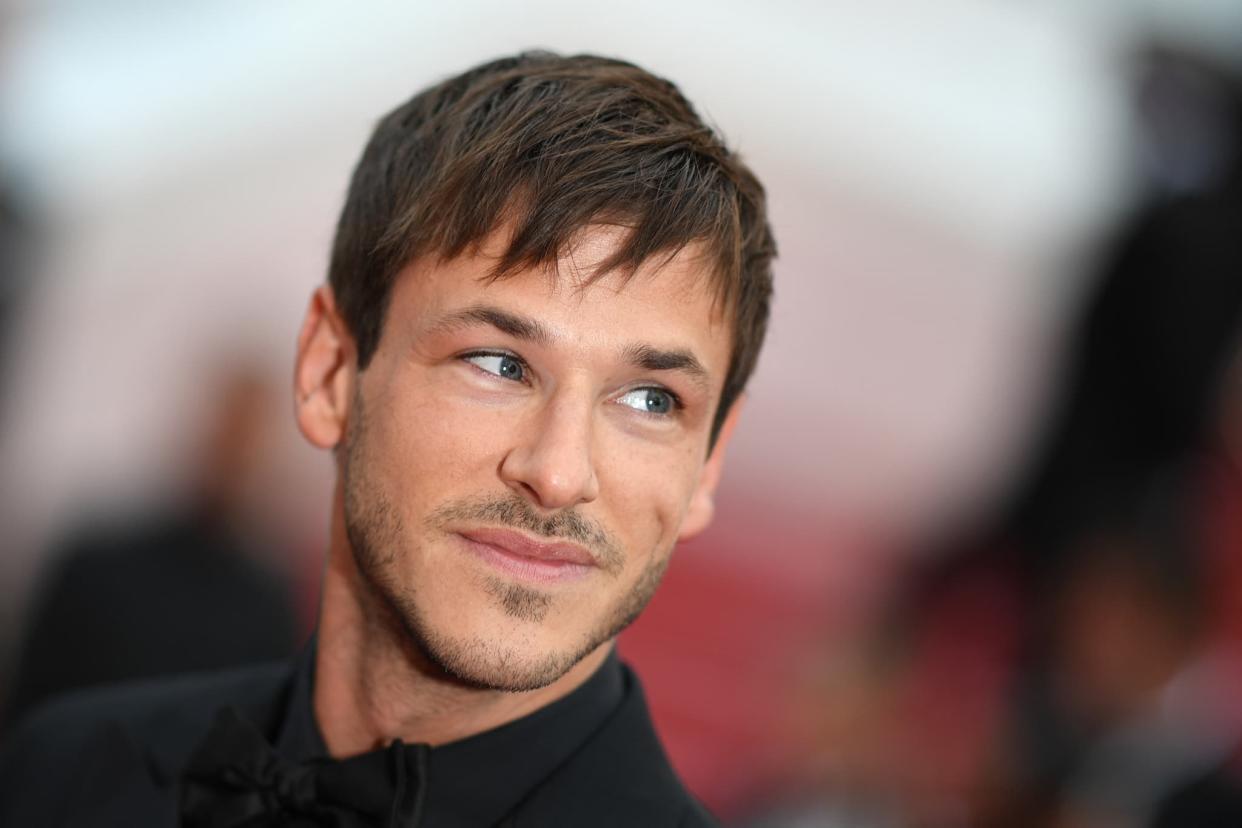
<point>651,400</point>
<point>502,365</point>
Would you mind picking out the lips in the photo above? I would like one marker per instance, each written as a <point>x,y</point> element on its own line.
<point>529,559</point>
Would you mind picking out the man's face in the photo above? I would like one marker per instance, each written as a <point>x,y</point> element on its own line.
<point>522,455</point>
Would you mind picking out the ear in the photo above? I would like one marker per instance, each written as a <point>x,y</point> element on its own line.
<point>703,502</point>
<point>324,374</point>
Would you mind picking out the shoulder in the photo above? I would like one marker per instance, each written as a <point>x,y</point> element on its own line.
<point>156,707</point>
<point>148,728</point>
<point>620,777</point>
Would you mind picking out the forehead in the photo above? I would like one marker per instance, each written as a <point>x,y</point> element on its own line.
<point>668,301</point>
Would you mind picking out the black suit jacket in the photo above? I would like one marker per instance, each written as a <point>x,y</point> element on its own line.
<point>112,757</point>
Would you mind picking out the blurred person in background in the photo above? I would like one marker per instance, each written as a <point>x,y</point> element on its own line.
<point>1074,659</point>
<point>1122,539</point>
<point>1115,564</point>
<point>548,288</point>
<point>1126,720</point>
<point>186,588</point>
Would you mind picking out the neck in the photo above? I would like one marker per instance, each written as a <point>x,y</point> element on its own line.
<point>373,684</point>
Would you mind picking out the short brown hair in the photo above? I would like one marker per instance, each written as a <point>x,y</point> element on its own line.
<point>553,143</point>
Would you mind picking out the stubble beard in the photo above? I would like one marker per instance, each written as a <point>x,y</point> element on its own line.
<point>376,534</point>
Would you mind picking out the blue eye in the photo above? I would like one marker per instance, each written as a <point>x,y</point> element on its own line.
<point>502,365</point>
<point>650,400</point>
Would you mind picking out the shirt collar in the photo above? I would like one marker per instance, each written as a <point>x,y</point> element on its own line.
<point>477,780</point>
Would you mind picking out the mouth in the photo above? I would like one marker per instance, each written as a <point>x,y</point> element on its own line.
<point>527,559</point>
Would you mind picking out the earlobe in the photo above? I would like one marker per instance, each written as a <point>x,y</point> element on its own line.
<point>703,502</point>
<point>324,372</point>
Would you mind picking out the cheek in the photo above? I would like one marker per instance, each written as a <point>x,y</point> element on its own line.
<point>648,493</point>
<point>432,446</point>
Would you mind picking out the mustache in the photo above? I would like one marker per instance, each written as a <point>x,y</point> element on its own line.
<point>516,513</point>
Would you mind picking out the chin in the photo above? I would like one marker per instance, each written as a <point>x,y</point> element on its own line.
<point>496,665</point>
<point>509,642</point>
<point>520,638</point>
<point>498,634</point>
<point>501,634</point>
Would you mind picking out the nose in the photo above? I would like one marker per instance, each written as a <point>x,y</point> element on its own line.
<point>550,462</point>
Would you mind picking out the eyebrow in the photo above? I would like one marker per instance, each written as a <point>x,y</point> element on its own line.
<point>518,327</point>
<point>650,358</point>
<point>646,357</point>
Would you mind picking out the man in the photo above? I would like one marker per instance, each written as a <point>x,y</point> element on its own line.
<point>549,285</point>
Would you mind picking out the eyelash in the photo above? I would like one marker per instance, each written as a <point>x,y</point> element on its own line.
<point>678,405</point>
<point>506,354</point>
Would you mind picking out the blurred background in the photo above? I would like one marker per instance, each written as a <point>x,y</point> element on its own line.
<point>975,558</point>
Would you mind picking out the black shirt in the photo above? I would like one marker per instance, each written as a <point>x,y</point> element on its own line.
<point>477,780</point>
<point>119,757</point>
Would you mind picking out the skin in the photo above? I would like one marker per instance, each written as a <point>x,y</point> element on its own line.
<point>535,403</point>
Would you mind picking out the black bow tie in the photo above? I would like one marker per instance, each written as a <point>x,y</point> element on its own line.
<point>236,779</point>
